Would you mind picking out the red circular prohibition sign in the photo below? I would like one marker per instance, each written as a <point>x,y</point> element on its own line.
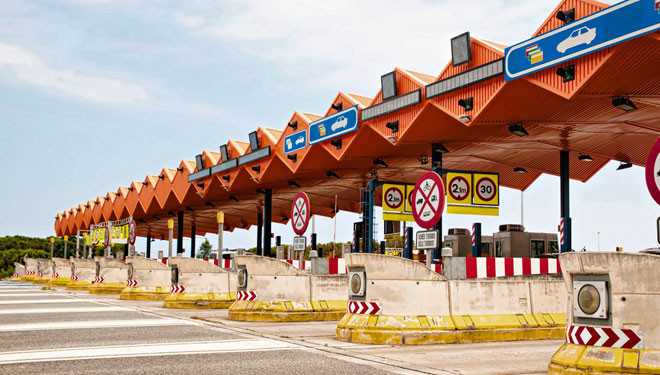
<point>428,200</point>
<point>652,172</point>
<point>300,213</point>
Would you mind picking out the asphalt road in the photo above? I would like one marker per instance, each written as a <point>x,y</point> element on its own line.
<point>73,332</point>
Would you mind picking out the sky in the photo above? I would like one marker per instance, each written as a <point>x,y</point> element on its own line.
<point>97,93</point>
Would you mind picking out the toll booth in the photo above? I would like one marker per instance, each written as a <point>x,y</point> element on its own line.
<point>460,241</point>
<point>513,241</point>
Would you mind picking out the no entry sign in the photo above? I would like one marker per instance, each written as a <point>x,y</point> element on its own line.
<point>300,213</point>
<point>428,200</point>
<point>132,233</point>
<point>653,172</point>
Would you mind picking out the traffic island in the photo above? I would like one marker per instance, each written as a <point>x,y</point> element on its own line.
<point>399,301</point>
<point>198,284</point>
<point>110,276</point>
<point>275,291</point>
<point>62,272</point>
<point>612,320</point>
<point>148,279</point>
<point>83,273</point>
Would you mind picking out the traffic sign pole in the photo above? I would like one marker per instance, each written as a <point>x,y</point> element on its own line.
<point>436,163</point>
<point>565,199</point>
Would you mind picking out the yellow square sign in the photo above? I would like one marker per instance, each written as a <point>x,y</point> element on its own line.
<point>486,189</point>
<point>409,194</point>
<point>459,188</point>
<point>393,196</point>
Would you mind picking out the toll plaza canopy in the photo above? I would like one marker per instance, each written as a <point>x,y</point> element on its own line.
<point>600,106</point>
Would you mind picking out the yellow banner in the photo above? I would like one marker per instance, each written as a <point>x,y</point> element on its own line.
<point>473,210</point>
<point>391,216</point>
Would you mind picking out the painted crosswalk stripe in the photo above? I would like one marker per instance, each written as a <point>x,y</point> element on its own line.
<point>40,301</point>
<point>93,324</point>
<point>161,349</point>
<point>57,310</point>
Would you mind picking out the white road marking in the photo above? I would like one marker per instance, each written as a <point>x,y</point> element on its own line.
<point>56,310</point>
<point>18,289</point>
<point>40,301</point>
<point>161,349</point>
<point>25,294</point>
<point>93,324</point>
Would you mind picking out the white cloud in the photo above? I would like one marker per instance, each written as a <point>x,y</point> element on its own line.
<point>351,42</point>
<point>28,67</point>
<point>190,21</point>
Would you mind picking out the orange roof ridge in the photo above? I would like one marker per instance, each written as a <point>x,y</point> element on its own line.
<point>421,76</point>
<point>312,117</point>
<point>362,100</point>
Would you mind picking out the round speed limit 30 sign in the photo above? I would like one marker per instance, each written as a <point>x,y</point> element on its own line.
<point>652,172</point>
<point>486,188</point>
<point>300,213</point>
<point>428,200</point>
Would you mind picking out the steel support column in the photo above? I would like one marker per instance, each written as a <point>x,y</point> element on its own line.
<point>369,230</point>
<point>268,218</point>
<point>476,239</point>
<point>148,246</point>
<point>565,201</point>
<point>436,165</point>
<point>179,233</point>
<point>260,220</point>
<point>193,231</point>
<point>408,243</point>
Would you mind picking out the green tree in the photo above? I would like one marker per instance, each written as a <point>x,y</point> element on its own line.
<point>205,249</point>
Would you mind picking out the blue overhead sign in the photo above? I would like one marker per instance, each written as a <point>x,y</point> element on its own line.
<point>605,28</point>
<point>296,141</point>
<point>334,125</point>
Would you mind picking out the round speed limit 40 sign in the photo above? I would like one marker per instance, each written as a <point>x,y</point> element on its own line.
<point>428,200</point>
<point>300,213</point>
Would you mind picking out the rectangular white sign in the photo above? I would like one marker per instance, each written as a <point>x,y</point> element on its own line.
<point>427,240</point>
<point>299,243</point>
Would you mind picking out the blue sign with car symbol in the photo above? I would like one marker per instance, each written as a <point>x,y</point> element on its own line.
<point>605,28</point>
<point>296,141</point>
<point>334,125</point>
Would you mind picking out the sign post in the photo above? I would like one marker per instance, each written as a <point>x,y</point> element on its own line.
<point>300,215</point>
<point>428,203</point>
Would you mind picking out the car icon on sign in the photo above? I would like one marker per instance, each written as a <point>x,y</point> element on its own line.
<point>583,35</point>
<point>300,140</point>
<point>340,123</point>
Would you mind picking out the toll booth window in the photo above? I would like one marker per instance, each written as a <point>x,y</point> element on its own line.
<point>538,247</point>
<point>553,246</point>
<point>498,248</point>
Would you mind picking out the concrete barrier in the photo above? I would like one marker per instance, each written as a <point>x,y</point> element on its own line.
<point>399,301</point>
<point>110,276</point>
<point>45,267</point>
<point>147,279</point>
<point>19,271</point>
<point>273,290</point>
<point>612,322</point>
<point>61,273</point>
<point>200,284</point>
<point>31,269</point>
<point>83,273</point>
